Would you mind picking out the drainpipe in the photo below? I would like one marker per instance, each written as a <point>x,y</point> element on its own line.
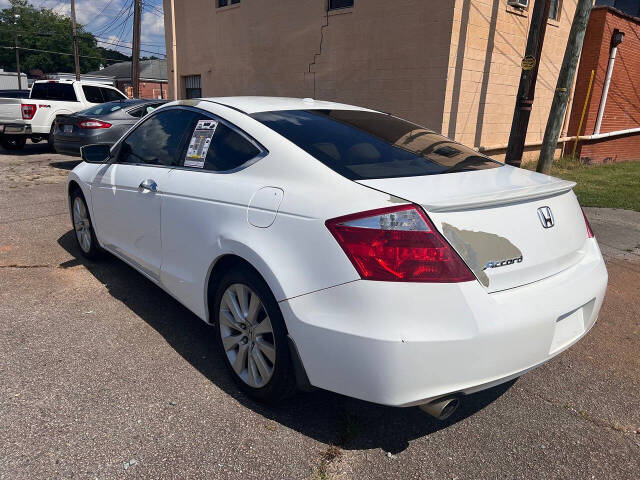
<point>616,39</point>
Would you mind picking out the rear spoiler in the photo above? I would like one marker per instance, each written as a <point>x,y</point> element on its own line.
<point>501,197</point>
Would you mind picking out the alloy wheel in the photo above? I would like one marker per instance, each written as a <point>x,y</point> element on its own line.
<point>81,224</point>
<point>247,335</point>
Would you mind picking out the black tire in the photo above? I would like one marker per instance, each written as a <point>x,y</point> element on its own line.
<point>50,139</point>
<point>282,383</point>
<point>13,142</point>
<point>94,251</point>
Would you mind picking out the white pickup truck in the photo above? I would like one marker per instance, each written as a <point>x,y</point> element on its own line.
<point>33,117</point>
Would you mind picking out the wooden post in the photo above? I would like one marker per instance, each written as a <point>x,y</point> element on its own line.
<point>174,51</point>
<point>565,80</point>
<point>135,54</point>
<point>76,57</point>
<point>15,44</point>
<point>527,87</point>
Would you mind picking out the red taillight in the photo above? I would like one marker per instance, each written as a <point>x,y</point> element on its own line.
<point>586,222</point>
<point>93,124</point>
<point>28,111</point>
<point>398,244</point>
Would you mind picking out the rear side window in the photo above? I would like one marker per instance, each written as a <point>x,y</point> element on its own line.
<point>53,91</point>
<point>227,150</point>
<point>103,109</point>
<point>137,112</point>
<point>92,94</point>
<point>109,94</point>
<point>363,145</point>
<point>159,140</point>
<point>144,110</point>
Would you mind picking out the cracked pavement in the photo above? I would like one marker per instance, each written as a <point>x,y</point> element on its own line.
<point>105,376</point>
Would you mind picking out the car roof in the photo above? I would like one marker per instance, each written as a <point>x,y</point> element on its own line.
<point>129,102</point>
<point>70,82</point>
<point>268,104</point>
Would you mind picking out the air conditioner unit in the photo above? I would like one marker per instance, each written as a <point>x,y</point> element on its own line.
<point>518,3</point>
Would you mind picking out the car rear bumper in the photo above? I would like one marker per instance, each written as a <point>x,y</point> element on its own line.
<point>405,344</point>
<point>68,148</point>
<point>71,144</point>
<point>15,129</point>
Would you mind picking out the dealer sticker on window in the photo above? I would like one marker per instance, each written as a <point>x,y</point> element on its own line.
<point>200,143</point>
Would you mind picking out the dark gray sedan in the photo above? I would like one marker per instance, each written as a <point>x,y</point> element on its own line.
<point>104,123</point>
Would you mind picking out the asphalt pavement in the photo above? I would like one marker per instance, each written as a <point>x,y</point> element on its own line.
<point>103,375</point>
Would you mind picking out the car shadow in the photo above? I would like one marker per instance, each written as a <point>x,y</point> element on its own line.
<point>65,165</point>
<point>29,149</point>
<point>324,416</point>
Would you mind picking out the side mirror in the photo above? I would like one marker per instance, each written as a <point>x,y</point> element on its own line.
<point>95,153</point>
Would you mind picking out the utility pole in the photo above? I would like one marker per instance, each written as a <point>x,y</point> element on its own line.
<point>135,54</point>
<point>174,51</point>
<point>527,87</point>
<point>565,80</point>
<point>15,44</point>
<point>76,58</point>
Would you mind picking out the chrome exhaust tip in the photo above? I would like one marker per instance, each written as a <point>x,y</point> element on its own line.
<point>441,408</point>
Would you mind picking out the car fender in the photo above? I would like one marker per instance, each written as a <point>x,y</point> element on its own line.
<point>230,246</point>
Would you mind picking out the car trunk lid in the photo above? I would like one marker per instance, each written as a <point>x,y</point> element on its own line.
<point>494,219</point>
<point>66,124</point>
<point>10,110</point>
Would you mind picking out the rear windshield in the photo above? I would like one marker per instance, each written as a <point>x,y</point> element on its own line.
<point>53,91</point>
<point>103,109</point>
<point>364,145</point>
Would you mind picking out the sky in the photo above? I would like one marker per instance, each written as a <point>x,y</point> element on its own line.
<point>111,21</point>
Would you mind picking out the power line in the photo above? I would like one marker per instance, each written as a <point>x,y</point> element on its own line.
<point>125,10</point>
<point>100,13</point>
<point>59,53</point>
<point>88,35</point>
<point>154,7</point>
<point>152,12</point>
<point>126,41</point>
<point>130,48</point>
<point>124,24</point>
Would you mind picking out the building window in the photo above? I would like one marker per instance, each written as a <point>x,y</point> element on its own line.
<point>192,86</point>
<point>554,10</point>
<point>337,4</point>
<point>224,3</point>
<point>554,7</point>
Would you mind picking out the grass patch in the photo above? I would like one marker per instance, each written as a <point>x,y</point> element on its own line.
<point>613,185</point>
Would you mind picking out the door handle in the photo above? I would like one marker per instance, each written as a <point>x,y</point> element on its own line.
<point>149,185</point>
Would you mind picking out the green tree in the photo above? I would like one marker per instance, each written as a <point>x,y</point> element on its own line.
<point>44,29</point>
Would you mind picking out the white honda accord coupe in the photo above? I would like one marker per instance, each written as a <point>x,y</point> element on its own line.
<point>343,248</point>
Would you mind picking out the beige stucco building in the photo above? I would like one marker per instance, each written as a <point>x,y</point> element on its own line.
<point>451,65</point>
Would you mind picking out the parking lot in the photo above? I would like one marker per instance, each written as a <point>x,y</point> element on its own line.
<point>105,376</point>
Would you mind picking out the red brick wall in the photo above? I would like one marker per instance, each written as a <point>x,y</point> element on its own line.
<point>623,102</point>
<point>153,90</point>
<point>147,89</point>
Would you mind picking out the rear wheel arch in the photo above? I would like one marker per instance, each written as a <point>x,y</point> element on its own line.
<point>218,268</point>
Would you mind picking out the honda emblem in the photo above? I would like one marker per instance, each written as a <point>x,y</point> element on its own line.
<point>546,217</point>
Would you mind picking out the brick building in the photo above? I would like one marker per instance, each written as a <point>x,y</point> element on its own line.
<point>153,78</point>
<point>622,107</point>
<point>452,65</point>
